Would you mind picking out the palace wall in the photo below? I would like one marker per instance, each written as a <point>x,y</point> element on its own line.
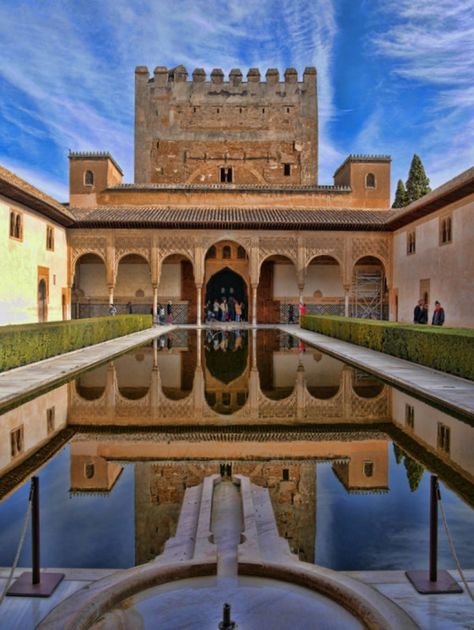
<point>26,260</point>
<point>445,271</point>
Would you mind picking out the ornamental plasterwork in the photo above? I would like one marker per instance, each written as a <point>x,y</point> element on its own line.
<point>88,245</point>
<point>374,408</point>
<point>278,246</point>
<point>378,247</point>
<point>208,241</point>
<point>176,244</point>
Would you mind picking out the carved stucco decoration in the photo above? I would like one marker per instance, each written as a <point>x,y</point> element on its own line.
<point>278,246</point>
<point>324,246</point>
<point>88,245</point>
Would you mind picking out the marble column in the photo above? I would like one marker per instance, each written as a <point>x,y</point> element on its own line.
<point>254,305</point>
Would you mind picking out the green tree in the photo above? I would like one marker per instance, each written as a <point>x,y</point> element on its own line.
<point>414,472</point>
<point>400,196</point>
<point>399,454</point>
<point>418,183</point>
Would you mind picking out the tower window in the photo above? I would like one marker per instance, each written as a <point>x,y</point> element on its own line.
<point>263,110</point>
<point>50,238</point>
<point>286,170</point>
<point>89,470</point>
<point>88,178</point>
<point>370,181</point>
<point>226,175</point>
<point>446,231</point>
<point>369,469</point>
<point>286,474</point>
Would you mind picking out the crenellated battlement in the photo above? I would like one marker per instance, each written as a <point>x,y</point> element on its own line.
<point>215,127</point>
<point>167,78</point>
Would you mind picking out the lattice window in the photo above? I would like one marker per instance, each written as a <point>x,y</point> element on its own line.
<point>411,242</point>
<point>444,437</point>
<point>16,441</point>
<point>445,235</point>
<point>50,238</point>
<point>50,419</point>
<point>88,178</point>
<point>410,416</point>
<point>370,181</point>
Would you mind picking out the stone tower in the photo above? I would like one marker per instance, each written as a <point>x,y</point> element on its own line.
<point>225,132</point>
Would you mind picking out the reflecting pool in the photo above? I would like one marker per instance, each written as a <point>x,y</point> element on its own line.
<point>346,458</point>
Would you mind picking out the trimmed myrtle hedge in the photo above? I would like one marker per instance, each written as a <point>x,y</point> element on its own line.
<point>446,349</point>
<point>26,343</point>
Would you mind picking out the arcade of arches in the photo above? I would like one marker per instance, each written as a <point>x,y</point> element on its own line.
<point>268,275</point>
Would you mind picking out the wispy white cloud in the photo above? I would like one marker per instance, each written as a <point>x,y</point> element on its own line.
<point>39,177</point>
<point>74,68</point>
<point>431,45</point>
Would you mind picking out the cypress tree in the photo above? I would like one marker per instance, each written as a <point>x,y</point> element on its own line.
<point>400,196</point>
<point>418,183</point>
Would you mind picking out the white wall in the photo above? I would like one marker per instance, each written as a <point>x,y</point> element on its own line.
<point>19,261</point>
<point>320,370</point>
<point>285,284</point>
<point>32,416</point>
<point>170,281</point>
<point>324,278</point>
<point>132,278</point>
<point>92,279</point>
<point>450,267</point>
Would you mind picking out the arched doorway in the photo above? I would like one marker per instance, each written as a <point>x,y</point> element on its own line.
<point>369,289</point>
<point>227,285</point>
<point>42,301</point>
<point>89,290</point>
<point>277,290</point>
<point>177,285</point>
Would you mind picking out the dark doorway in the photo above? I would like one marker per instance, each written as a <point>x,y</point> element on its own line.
<point>42,302</point>
<point>229,285</point>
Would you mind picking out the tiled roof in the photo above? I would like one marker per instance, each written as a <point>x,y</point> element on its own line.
<point>231,218</point>
<point>359,157</point>
<point>21,191</point>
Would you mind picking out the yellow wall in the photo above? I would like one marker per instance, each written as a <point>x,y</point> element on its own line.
<point>19,261</point>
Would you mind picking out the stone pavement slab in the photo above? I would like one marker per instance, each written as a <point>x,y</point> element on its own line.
<point>451,392</point>
<point>31,379</point>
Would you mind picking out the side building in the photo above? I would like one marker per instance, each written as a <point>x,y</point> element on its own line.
<point>33,253</point>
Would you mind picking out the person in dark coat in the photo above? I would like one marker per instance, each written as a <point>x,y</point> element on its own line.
<point>417,312</point>
<point>438,315</point>
<point>423,314</point>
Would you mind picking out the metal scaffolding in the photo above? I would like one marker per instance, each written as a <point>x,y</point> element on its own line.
<point>368,291</point>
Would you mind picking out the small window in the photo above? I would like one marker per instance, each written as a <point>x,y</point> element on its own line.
<point>446,231</point>
<point>263,110</point>
<point>226,252</point>
<point>286,474</point>
<point>241,252</point>
<point>286,170</point>
<point>226,175</point>
<point>16,441</point>
<point>369,469</point>
<point>16,225</point>
<point>287,110</point>
<point>410,416</point>
<point>194,109</point>
<point>211,252</point>
<point>89,178</point>
<point>218,110</point>
<point>89,470</point>
<point>226,399</point>
<point>50,238</point>
<point>50,416</point>
<point>411,242</point>
<point>444,437</point>
<point>370,181</point>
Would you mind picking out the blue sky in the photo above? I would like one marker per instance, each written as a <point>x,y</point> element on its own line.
<point>394,76</point>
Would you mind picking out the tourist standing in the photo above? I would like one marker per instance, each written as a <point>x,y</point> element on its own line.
<point>161,314</point>
<point>169,312</point>
<point>112,309</point>
<point>417,312</point>
<point>238,312</point>
<point>424,314</point>
<point>215,309</point>
<point>231,309</point>
<point>302,309</point>
<point>291,314</point>
<point>438,315</point>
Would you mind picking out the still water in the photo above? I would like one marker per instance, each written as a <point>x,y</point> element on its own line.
<point>347,459</point>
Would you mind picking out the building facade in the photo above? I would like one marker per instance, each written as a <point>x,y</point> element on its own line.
<point>226,204</point>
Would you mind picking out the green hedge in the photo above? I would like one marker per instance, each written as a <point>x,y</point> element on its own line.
<point>446,349</point>
<point>27,343</point>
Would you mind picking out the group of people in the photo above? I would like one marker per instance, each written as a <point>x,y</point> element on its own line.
<point>420,314</point>
<point>165,313</point>
<point>225,310</point>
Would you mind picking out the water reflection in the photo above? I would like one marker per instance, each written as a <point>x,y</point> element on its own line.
<point>264,405</point>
